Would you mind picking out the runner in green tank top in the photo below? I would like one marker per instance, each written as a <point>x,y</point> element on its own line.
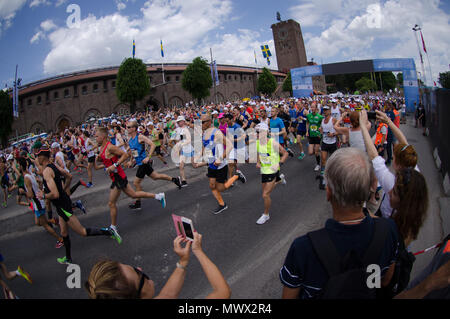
<point>313,122</point>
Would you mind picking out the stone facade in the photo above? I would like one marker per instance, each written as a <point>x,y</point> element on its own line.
<point>52,104</point>
<point>289,45</point>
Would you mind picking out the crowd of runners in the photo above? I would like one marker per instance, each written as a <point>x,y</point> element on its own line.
<point>230,136</point>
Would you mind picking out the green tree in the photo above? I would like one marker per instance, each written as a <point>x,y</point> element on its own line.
<point>365,85</point>
<point>389,81</point>
<point>267,84</point>
<point>287,84</point>
<point>400,79</point>
<point>133,83</point>
<point>444,79</point>
<point>6,114</point>
<point>196,79</point>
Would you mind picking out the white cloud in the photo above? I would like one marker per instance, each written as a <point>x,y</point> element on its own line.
<point>37,3</point>
<point>349,33</point>
<point>8,10</point>
<point>60,3</point>
<point>48,25</point>
<point>121,6</point>
<point>45,27</point>
<point>187,28</point>
<point>39,35</point>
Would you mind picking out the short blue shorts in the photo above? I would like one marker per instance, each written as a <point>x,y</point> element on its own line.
<point>39,213</point>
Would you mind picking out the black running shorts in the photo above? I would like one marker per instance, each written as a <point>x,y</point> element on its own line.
<point>268,178</point>
<point>221,175</point>
<point>144,169</point>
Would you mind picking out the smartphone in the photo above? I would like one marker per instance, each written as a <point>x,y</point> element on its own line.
<point>188,228</point>
<point>371,115</point>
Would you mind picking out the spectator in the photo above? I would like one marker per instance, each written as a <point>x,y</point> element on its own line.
<point>112,280</point>
<point>348,175</point>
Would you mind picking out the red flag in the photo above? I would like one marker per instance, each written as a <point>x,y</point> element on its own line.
<point>423,42</point>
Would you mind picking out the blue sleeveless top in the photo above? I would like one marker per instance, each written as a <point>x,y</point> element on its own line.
<point>137,150</point>
<point>210,151</point>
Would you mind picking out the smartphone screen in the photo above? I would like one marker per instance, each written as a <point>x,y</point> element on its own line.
<point>188,230</point>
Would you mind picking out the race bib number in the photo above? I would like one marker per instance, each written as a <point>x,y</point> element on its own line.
<point>209,154</point>
<point>134,153</point>
<point>313,127</point>
<point>264,158</point>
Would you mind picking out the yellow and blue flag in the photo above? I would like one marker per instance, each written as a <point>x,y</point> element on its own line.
<point>162,50</point>
<point>266,51</point>
<point>134,48</point>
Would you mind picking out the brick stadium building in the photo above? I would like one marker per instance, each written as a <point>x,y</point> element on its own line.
<point>68,100</point>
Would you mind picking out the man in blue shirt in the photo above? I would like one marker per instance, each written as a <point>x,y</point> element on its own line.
<point>351,230</point>
<point>277,126</point>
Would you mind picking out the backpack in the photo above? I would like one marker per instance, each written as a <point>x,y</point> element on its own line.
<point>348,275</point>
<point>402,272</point>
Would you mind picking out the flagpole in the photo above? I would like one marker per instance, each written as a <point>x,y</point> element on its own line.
<point>428,58</point>
<point>162,63</point>
<point>212,73</point>
<point>420,54</point>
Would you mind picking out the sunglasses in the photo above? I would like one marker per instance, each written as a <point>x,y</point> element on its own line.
<point>131,126</point>
<point>142,280</point>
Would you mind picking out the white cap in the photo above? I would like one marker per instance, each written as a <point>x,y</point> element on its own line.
<point>114,121</point>
<point>149,123</point>
<point>55,145</point>
<point>181,118</point>
<point>215,112</point>
<point>241,106</point>
<point>262,127</point>
<point>119,123</point>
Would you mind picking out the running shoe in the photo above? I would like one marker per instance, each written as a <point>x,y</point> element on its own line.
<point>184,184</point>
<point>302,155</point>
<point>115,235</point>
<point>177,181</point>
<point>163,200</point>
<point>83,183</point>
<point>5,205</point>
<point>242,177</point>
<point>59,244</point>
<point>64,261</point>
<point>220,209</point>
<point>283,179</point>
<point>24,274</point>
<point>317,168</point>
<point>263,219</point>
<point>89,185</point>
<point>136,205</point>
<point>291,154</point>
<point>79,204</point>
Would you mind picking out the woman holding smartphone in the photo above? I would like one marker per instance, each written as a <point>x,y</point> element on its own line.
<point>113,280</point>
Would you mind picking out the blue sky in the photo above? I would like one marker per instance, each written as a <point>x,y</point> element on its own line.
<point>34,33</point>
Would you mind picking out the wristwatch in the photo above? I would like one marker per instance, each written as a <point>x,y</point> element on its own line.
<point>115,164</point>
<point>181,266</point>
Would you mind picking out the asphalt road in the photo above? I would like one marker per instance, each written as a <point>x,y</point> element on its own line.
<point>249,255</point>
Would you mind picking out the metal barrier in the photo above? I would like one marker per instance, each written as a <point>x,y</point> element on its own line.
<point>437,112</point>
